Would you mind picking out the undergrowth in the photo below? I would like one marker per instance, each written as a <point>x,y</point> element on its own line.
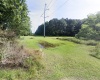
<point>80,41</point>
<point>97,51</point>
<point>15,59</point>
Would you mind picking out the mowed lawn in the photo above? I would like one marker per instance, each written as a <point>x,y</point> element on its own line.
<point>66,61</point>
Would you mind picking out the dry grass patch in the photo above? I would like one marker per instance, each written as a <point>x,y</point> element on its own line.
<point>14,55</point>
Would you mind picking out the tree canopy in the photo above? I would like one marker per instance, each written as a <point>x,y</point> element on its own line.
<point>14,16</point>
<point>62,27</point>
<point>90,27</point>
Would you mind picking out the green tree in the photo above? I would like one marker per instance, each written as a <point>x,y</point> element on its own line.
<point>90,28</point>
<point>62,27</point>
<point>14,16</point>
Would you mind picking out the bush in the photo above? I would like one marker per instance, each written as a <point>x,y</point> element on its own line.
<point>88,33</point>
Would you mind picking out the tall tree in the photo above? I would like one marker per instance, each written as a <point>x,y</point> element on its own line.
<point>14,15</point>
<point>62,27</point>
<point>91,27</point>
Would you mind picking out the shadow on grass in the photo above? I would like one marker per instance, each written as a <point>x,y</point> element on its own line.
<point>96,56</point>
<point>44,44</point>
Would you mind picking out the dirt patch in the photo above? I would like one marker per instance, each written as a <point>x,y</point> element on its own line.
<point>45,44</point>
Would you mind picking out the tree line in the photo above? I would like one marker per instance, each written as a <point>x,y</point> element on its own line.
<point>62,27</point>
<point>88,28</point>
<point>14,16</point>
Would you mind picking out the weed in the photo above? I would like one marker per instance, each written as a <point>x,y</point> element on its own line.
<point>9,77</point>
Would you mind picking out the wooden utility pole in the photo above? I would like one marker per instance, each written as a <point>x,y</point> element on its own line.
<point>45,9</point>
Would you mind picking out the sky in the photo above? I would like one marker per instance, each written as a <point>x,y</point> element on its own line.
<point>72,9</point>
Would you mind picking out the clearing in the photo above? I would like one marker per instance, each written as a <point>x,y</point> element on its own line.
<point>65,61</point>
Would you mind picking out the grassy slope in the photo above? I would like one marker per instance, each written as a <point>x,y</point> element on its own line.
<point>66,60</point>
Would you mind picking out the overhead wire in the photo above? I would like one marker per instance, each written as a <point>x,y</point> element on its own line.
<point>53,4</point>
<point>49,3</point>
<point>47,7</point>
<point>60,7</point>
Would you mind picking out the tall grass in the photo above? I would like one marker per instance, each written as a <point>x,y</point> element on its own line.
<point>18,62</point>
<point>66,61</point>
<point>96,53</point>
<point>80,41</point>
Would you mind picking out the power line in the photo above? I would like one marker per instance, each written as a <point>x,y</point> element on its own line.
<point>47,7</point>
<point>63,4</point>
<point>57,8</point>
<point>60,7</point>
<point>42,15</point>
<point>49,3</point>
<point>53,4</point>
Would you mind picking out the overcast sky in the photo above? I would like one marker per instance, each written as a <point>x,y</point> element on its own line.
<point>74,9</point>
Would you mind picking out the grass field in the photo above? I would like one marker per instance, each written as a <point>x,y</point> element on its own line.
<point>66,61</point>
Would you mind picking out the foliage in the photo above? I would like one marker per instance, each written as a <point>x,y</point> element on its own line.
<point>14,16</point>
<point>62,27</point>
<point>90,28</point>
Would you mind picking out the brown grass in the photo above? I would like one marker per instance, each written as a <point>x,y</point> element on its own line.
<point>14,55</point>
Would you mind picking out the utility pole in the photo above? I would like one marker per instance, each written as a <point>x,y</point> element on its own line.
<point>45,8</point>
